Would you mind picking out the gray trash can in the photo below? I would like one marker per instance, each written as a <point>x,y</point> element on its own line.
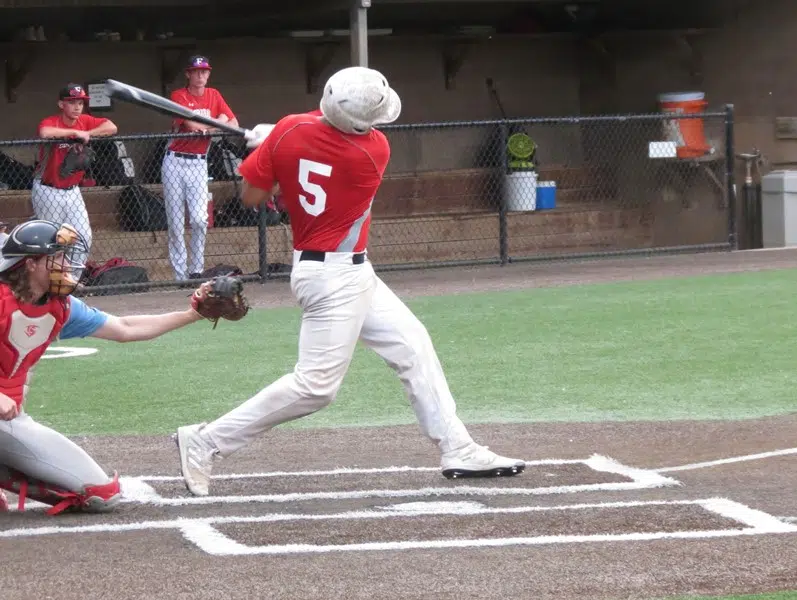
<point>779,209</point>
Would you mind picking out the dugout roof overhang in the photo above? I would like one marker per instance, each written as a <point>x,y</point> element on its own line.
<point>177,27</point>
<point>207,19</point>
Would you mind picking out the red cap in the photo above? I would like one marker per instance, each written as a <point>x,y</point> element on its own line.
<point>198,62</point>
<point>73,91</point>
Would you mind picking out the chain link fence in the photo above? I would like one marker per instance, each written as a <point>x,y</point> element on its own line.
<point>156,214</point>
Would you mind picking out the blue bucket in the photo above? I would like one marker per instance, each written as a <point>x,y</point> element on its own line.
<point>546,195</point>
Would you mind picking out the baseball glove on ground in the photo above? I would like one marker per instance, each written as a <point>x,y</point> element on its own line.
<point>78,158</point>
<point>221,298</point>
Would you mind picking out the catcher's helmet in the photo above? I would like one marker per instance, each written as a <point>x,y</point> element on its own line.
<point>62,243</point>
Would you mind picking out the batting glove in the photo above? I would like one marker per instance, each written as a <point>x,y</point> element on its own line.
<point>257,135</point>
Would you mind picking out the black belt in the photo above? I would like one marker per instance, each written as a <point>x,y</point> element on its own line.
<point>187,155</point>
<point>71,187</point>
<point>356,259</point>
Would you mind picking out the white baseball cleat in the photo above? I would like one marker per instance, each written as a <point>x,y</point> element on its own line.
<point>477,461</point>
<point>196,458</point>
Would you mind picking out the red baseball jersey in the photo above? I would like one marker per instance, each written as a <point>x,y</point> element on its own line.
<point>210,104</point>
<point>327,178</point>
<point>52,155</point>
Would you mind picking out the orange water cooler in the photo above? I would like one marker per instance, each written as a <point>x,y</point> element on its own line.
<point>688,134</point>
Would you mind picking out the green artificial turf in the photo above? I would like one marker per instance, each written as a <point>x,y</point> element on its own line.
<point>720,346</point>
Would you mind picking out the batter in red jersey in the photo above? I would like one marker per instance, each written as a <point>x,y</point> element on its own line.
<point>328,169</point>
<point>184,172</point>
<point>53,197</point>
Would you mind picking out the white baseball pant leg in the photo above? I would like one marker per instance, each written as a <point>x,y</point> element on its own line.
<point>63,206</point>
<point>341,303</point>
<point>392,331</point>
<point>46,455</point>
<point>185,183</point>
<point>334,296</point>
<point>196,187</point>
<point>174,199</point>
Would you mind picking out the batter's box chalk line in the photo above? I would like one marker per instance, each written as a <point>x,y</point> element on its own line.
<point>139,490</point>
<point>203,532</point>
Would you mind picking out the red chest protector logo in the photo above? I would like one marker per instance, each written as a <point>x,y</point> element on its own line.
<point>31,330</point>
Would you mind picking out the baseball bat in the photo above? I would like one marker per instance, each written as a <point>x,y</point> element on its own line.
<point>134,95</point>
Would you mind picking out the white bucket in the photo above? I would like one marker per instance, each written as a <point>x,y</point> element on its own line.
<point>521,191</point>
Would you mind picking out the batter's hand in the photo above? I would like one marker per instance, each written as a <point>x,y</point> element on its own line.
<point>8,408</point>
<point>257,135</point>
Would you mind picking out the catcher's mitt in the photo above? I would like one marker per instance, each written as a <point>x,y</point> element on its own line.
<point>78,158</point>
<point>221,298</point>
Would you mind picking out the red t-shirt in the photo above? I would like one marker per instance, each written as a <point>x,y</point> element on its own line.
<point>210,104</point>
<point>52,155</point>
<point>327,179</point>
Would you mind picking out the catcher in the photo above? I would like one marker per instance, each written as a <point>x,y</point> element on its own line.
<point>37,277</point>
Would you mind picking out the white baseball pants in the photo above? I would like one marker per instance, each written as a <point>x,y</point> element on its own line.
<point>185,184</point>
<point>46,455</point>
<point>342,303</point>
<point>62,206</point>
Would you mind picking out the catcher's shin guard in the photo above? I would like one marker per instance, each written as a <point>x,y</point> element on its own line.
<point>3,502</point>
<point>93,499</point>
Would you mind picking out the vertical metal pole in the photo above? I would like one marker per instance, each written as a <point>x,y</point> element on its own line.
<point>358,26</point>
<point>730,178</point>
<point>503,169</point>
<point>262,242</point>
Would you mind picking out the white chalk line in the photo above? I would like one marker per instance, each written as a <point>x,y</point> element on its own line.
<point>213,542</point>
<point>400,510</point>
<point>136,489</point>
<point>208,540</point>
<point>788,519</point>
<point>383,493</point>
<point>727,461</point>
<point>341,471</point>
<point>746,516</point>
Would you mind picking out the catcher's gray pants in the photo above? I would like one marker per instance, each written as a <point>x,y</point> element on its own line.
<point>44,454</point>
<point>62,206</point>
<point>341,304</point>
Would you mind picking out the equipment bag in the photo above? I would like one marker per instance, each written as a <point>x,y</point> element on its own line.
<point>116,271</point>
<point>141,210</point>
<point>112,165</point>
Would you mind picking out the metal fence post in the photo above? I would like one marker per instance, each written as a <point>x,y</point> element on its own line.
<point>733,234</point>
<point>503,162</point>
<point>262,242</point>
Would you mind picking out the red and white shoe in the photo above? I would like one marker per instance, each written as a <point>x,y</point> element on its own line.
<point>3,501</point>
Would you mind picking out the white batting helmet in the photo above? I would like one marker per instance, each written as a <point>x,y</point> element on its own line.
<point>357,98</point>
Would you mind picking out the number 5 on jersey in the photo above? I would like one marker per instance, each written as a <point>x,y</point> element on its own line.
<point>318,201</point>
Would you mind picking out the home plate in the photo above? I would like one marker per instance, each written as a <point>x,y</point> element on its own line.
<point>435,508</point>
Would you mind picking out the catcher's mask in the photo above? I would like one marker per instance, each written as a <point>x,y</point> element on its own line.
<point>63,246</point>
<point>357,98</point>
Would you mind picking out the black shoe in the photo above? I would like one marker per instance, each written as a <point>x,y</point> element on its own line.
<point>195,276</point>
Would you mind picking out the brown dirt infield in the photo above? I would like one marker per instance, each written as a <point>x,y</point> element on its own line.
<point>556,508</point>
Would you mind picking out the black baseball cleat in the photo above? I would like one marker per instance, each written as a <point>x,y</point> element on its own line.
<point>477,461</point>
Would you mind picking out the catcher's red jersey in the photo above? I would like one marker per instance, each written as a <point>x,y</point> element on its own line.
<point>25,333</point>
<point>327,179</point>
<point>52,155</point>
